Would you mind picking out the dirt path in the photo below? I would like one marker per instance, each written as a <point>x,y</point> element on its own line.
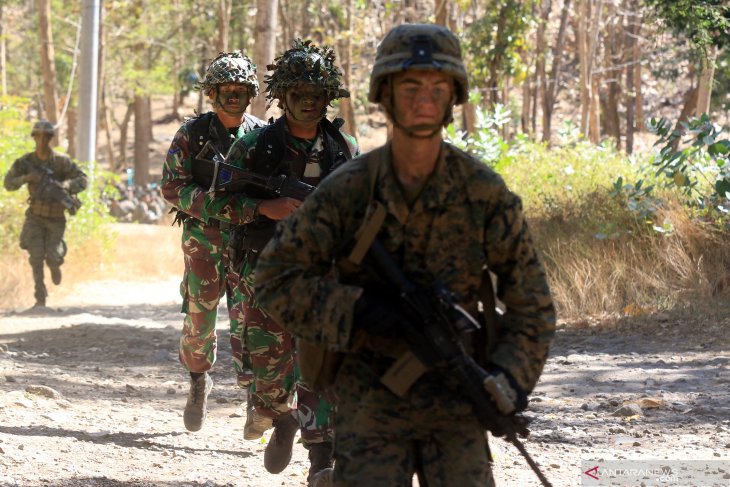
<point>108,412</point>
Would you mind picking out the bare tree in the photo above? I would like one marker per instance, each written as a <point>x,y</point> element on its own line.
<point>347,111</point>
<point>3,53</point>
<point>142,131</point>
<point>224,22</point>
<point>48,62</point>
<point>265,47</point>
<point>551,85</point>
<point>704,88</point>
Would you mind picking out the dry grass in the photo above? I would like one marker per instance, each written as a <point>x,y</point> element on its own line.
<point>139,252</point>
<point>634,272</point>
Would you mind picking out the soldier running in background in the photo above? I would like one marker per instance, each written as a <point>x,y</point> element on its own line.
<point>442,217</point>
<point>53,182</point>
<point>304,145</point>
<point>230,83</point>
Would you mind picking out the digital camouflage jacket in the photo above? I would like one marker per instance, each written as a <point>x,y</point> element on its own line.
<point>59,167</point>
<point>465,218</point>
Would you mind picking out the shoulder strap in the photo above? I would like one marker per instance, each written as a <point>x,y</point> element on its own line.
<point>376,213</point>
<point>270,147</point>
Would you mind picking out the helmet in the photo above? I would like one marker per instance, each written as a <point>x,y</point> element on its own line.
<point>305,63</point>
<point>230,67</point>
<point>43,127</point>
<point>426,47</point>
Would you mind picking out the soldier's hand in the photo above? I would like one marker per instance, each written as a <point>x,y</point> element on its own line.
<point>506,394</point>
<point>279,208</point>
<point>32,177</point>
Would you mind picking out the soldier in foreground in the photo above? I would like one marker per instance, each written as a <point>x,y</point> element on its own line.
<point>230,83</point>
<point>442,217</point>
<point>53,181</point>
<point>304,146</point>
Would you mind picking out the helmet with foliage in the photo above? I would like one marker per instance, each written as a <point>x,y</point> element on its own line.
<point>43,127</point>
<point>425,47</point>
<point>305,63</point>
<point>230,67</point>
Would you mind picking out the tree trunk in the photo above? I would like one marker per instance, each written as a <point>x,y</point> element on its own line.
<point>594,132</point>
<point>123,132</point>
<point>612,57</point>
<point>541,53</point>
<point>142,122</point>
<point>631,52</point>
<point>442,12</point>
<point>690,104</point>
<point>347,110</point>
<point>264,49</point>
<point>553,86</point>
<point>469,113</point>
<point>71,124</point>
<point>496,63</point>
<point>3,54</point>
<point>224,22</point>
<point>203,66</point>
<point>106,122</point>
<point>704,89</point>
<point>585,87</point>
<point>48,63</point>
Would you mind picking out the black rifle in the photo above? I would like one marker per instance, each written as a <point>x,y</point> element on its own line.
<point>48,189</point>
<point>226,177</point>
<point>437,340</point>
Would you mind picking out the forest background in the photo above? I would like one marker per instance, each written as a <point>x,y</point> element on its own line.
<point>606,116</point>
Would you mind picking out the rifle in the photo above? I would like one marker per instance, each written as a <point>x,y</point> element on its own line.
<point>438,341</point>
<point>227,177</point>
<point>50,190</point>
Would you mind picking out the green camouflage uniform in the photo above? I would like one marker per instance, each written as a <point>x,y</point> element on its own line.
<point>270,346</point>
<point>45,220</point>
<point>464,219</point>
<point>204,241</point>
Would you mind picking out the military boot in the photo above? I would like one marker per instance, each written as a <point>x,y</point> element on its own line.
<point>196,408</point>
<point>256,423</point>
<point>55,274</point>
<point>320,460</point>
<point>278,452</point>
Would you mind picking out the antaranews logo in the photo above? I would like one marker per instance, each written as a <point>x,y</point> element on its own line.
<point>592,472</point>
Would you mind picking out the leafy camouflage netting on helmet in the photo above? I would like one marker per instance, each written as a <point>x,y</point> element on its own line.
<point>43,127</point>
<point>305,63</point>
<point>230,67</point>
<point>425,47</point>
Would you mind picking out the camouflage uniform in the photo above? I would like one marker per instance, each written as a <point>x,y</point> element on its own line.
<point>205,237</point>
<point>45,221</point>
<point>465,218</point>
<point>270,346</point>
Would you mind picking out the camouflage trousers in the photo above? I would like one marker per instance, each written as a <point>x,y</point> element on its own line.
<point>43,239</point>
<point>207,278</point>
<point>277,388</point>
<point>382,439</point>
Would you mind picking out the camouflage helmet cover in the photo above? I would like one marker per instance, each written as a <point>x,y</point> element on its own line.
<point>230,67</point>
<point>305,63</point>
<point>43,127</point>
<point>426,47</point>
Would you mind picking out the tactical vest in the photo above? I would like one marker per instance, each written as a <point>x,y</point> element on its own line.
<point>271,146</point>
<point>208,127</point>
<point>247,241</point>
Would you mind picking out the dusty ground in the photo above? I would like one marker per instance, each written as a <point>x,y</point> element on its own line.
<point>91,393</point>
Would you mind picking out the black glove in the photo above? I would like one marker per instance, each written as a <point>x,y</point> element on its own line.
<point>378,315</point>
